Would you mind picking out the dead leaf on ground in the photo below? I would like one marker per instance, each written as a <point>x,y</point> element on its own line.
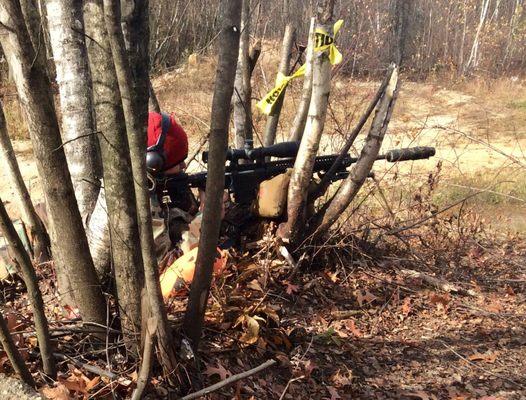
<point>60,392</point>
<point>351,327</point>
<point>364,297</point>
<point>221,371</point>
<point>440,300</point>
<point>251,327</point>
<point>333,392</point>
<point>254,285</point>
<point>489,357</point>
<point>291,289</point>
<point>420,394</point>
<point>406,306</point>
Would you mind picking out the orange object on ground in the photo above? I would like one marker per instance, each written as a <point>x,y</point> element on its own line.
<point>179,275</point>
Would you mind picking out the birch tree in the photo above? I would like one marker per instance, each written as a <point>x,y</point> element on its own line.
<point>117,171</point>
<point>69,243</point>
<point>303,166</point>
<point>300,119</point>
<point>242,87</point>
<point>78,126</point>
<point>284,65</point>
<point>224,85</point>
<point>40,240</point>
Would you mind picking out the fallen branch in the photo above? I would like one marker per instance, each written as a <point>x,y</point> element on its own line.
<point>88,367</point>
<point>436,282</point>
<point>229,381</point>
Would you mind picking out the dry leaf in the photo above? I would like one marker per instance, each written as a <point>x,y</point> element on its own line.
<point>351,326</point>
<point>406,307</point>
<point>440,300</point>
<point>60,392</point>
<point>333,392</point>
<point>254,285</point>
<point>221,371</point>
<point>291,288</point>
<point>251,334</point>
<point>367,298</point>
<point>420,394</point>
<point>489,357</point>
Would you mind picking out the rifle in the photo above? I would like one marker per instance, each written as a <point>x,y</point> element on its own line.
<point>243,179</point>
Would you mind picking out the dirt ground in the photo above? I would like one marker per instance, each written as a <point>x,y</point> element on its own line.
<point>353,325</point>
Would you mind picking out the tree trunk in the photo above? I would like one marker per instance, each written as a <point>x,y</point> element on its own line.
<point>473,57</point>
<point>303,166</point>
<point>14,356</point>
<point>153,102</point>
<point>35,28</point>
<point>226,71</point>
<point>361,169</point>
<point>136,112</point>
<point>46,41</point>
<point>78,126</point>
<point>33,291</point>
<point>242,87</point>
<point>69,244</point>
<point>283,69</point>
<point>118,178</point>
<point>40,239</point>
<point>298,126</point>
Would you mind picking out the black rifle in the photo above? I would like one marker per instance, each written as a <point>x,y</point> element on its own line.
<point>243,179</point>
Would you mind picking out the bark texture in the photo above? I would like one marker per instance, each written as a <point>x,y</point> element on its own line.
<point>300,119</point>
<point>35,28</point>
<point>78,126</point>
<point>135,110</point>
<point>69,244</point>
<point>360,170</point>
<point>224,83</point>
<point>284,65</point>
<point>40,239</point>
<point>33,291</point>
<point>118,178</point>
<point>243,89</point>
<point>303,166</point>
<point>13,354</point>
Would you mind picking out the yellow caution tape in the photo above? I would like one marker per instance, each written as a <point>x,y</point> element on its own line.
<point>323,42</point>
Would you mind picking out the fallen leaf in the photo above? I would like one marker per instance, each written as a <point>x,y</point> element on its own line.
<point>60,392</point>
<point>333,392</point>
<point>254,285</point>
<point>489,357</point>
<point>406,307</point>
<point>367,298</point>
<point>251,334</point>
<point>420,394</point>
<point>440,300</point>
<point>351,326</point>
<point>92,383</point>
<point>291,288</point>
<point>221,371</point>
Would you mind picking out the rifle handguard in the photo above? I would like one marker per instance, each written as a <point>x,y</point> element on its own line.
<point>414,153</point>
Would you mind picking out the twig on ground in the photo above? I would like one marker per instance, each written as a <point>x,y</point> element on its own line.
<point>88,367</point>
<point>436,282</point>
<point>480,368</point>
<point>288,384</point>
<point>229,381</point>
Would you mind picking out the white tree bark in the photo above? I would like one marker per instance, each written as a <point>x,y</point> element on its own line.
<point>474,55</point>
<point>298,126</point>
<point>303,166</point>
<point>78,125</point>
<point>242,87</point>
